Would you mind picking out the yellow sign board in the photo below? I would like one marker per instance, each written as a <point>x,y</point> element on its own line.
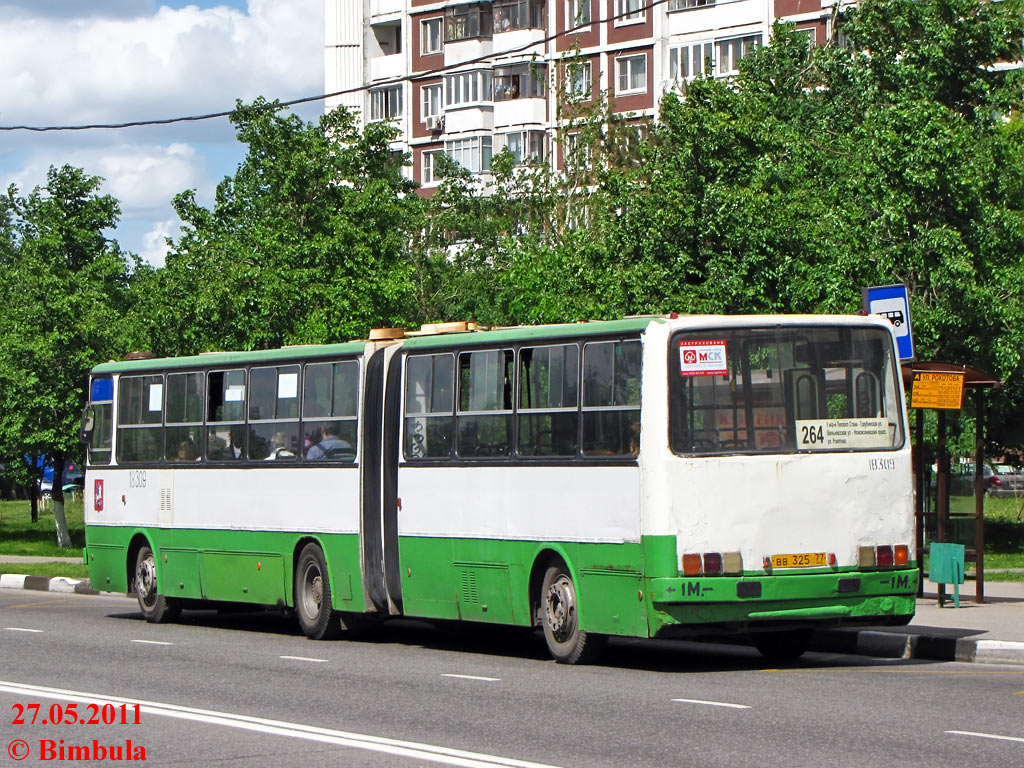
<point>937,390</point>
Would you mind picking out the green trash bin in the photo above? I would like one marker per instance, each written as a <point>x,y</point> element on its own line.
<point>946,566</point>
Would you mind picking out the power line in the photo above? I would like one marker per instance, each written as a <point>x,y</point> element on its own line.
<point>358,89</point>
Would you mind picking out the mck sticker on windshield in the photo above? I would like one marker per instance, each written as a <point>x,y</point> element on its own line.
<point>838,434</point>
<point>703,357</point>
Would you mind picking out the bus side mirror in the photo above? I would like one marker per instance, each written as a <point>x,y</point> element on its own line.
<point>88,422</point>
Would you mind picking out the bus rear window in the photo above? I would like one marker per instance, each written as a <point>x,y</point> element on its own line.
<point>784,390</point>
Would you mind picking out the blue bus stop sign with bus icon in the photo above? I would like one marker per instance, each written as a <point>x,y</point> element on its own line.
<point>892,302</point>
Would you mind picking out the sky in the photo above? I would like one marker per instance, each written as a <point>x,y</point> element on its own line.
<point>72,62</point>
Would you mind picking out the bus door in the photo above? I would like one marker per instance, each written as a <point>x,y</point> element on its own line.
<point>379,523</point>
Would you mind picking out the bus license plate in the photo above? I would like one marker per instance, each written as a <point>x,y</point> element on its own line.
<point>802,560</point>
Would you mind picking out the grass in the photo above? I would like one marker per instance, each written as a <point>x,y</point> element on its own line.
<point>20,536</point>
<point>49,570</point>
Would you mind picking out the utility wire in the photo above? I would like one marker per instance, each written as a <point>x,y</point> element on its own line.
<point>306,99</point>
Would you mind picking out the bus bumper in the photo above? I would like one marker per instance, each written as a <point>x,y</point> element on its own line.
<point>739,603</point>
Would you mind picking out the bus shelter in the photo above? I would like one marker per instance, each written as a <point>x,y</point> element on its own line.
<point>942,387</point>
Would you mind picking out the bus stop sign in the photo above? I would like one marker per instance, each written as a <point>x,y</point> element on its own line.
<point>892,302</point>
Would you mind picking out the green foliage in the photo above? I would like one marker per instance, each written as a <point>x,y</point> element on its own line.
<point>64,293</point>
<point>304,244</point>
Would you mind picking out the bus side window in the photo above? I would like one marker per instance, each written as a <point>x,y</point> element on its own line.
<point>140,418</point>
<point>101,399</point>
<point>548,405</point>
<point>184,416</point>
<point>429,406</point>
<point>485,403</point>
<point>611,398</point>
<point>274,413</point>
<point>330,419</point>
<point>225,416</point>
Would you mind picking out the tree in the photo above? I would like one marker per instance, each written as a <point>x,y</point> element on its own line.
<point>63,295</point>
<point>305,243</point>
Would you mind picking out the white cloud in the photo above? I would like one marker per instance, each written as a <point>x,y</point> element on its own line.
<point>175,62</point>
<point>143,177</point>
<point>74,62</point>
<point>154,243</point>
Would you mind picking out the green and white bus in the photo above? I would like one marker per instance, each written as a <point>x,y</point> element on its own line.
<point>646,477</point>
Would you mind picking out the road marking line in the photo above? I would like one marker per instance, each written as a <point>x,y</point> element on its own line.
<point>411,749</point>
<point>987,736</point>
<point>472,677</point>
<point>713,703</point>
<point>47,602</point>
<point>152,642</point>
<point>22,629</point>
<point>305,658</point>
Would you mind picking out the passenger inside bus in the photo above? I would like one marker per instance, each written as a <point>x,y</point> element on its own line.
<point>331,446</point>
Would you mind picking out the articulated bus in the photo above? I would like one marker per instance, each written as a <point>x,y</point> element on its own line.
<point>645,477</point>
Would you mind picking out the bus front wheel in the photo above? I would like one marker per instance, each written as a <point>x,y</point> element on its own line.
<point>156,608</point>
<point>559,616</point>
<point>317,617</point>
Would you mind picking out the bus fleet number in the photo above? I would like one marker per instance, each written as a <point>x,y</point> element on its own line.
<point>137,478</point>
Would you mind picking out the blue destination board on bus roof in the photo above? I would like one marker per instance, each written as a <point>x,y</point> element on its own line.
<point>892,302</point>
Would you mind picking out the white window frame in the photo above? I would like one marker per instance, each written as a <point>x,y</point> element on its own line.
<point>625,67</point>
<point>726,61</point>
<point>579,79</point>
<point>428,168</point>
<point>635,12</point>
<point>477,149</point>
<point>578,15</point>
<point>683,67</point>
<point>426,103</point>
<point>463,89</point>
<point>687,5</point>
<point>426,38</point>
<point>534,142</point>
<point>383,107</point>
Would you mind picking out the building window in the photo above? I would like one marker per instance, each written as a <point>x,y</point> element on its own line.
<point>524,81</point>
<point>430,36</point>
<point>578,13</point>
<point>518,14</point>
<point>730,51</point>
<point>431,100</point>
<point>467,88</point>
<point>682,5</point>
<point>386,103</point>
<point>473,154</point>
<point>630,11</point>
<point>577,153</point>
<point>527,147</point>
<point>431,173</point>
<point>463,22</point>
<point>686,62</point>
<point>631,74</point>
<point>578,79</point>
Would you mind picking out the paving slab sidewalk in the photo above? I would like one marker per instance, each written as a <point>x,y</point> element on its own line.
<point>989,632</point>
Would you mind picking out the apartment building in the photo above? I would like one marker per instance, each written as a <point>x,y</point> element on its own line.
<point>472,78</point>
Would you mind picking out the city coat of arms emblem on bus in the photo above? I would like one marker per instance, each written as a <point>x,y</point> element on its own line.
<point>98,495</point>
<point>703,357</point>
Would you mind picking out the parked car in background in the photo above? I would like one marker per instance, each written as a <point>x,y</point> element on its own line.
<point>73,479</point>
<point>961,479</point>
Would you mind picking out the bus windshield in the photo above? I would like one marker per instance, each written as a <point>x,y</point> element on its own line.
<point>784,390</point>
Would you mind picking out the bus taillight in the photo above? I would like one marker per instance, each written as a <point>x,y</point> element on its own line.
<point>902,554</point>
<point>691,564</point>
<point>884,557</point>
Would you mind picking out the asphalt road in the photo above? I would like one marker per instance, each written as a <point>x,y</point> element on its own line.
<point>247,688</point>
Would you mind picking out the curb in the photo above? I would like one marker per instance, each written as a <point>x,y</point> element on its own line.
<point>43,584</point>
<point>905,645</point>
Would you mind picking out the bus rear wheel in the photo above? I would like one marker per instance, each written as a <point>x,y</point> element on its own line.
<point>786,645</point>
<point>156,608</point>
<point>317,617</point>
<point>559,616</point>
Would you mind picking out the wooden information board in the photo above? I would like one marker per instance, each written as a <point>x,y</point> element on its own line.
<point>937,390</point>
